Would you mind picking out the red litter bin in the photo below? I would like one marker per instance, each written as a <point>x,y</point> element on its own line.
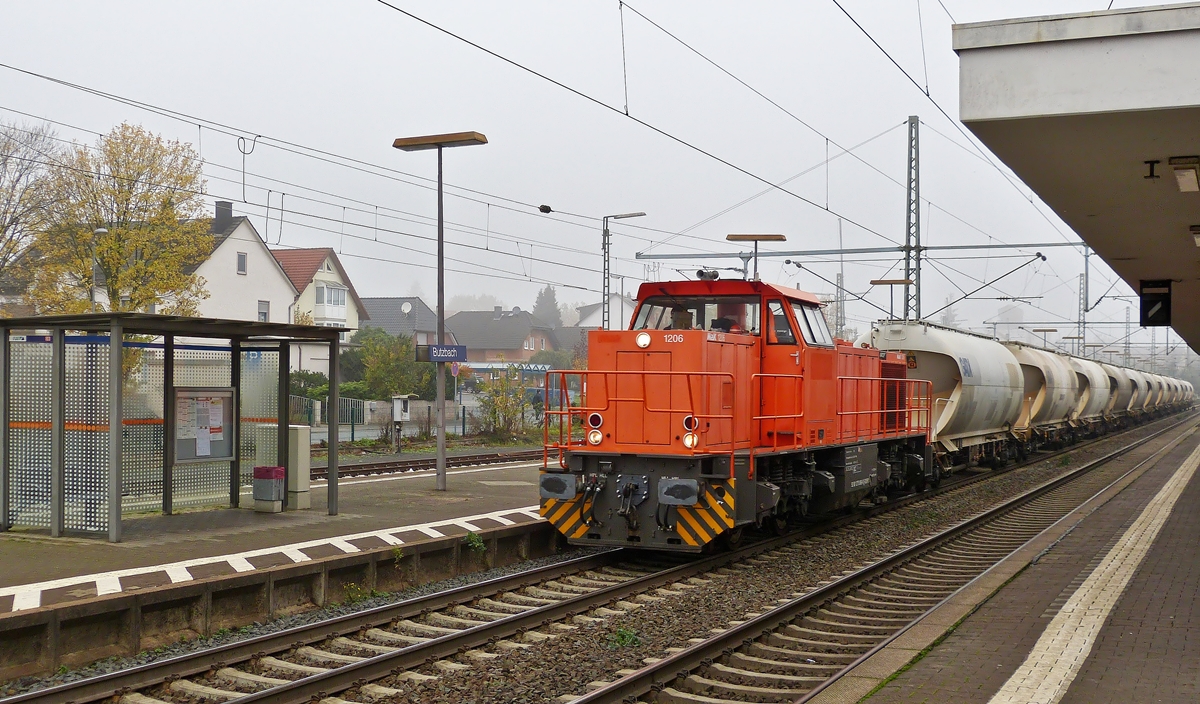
<point>268,489</point>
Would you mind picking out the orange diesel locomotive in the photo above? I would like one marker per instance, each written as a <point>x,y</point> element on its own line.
<point>726,403</point>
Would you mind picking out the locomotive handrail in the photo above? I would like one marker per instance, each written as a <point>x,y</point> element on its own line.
<point>916,406</point>
<point>566,412</point>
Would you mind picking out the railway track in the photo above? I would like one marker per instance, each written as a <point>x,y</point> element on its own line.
<point>796,650</point>
<point>477,622</point>
<point>366,469</point>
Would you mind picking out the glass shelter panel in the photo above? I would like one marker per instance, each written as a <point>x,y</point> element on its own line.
<point>29,433</point>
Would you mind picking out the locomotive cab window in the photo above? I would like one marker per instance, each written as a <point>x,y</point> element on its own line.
<point>780,326</point>
<point>732,314</point>
<point>812,324</point>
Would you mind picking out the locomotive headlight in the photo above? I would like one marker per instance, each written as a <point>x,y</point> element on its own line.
<point>642,340</point>
<point>690,440</point>
<point>595,420</point>
<point>595,436</point>
<point>690,423</point>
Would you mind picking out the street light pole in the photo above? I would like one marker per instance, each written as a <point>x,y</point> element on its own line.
<point>605,242</point>
<point>97,233</point>
<point>439,142</point>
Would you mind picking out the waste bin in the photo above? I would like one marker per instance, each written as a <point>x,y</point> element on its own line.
<point>268,489</point>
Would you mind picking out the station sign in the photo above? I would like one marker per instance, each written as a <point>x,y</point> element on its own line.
<point>441,353</point>
<point>1156,303</point>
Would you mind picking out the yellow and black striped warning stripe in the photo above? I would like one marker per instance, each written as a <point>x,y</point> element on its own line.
<point>698,525</point>
<point>566,516</point>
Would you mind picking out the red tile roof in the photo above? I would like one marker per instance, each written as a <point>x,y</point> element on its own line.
<point>301,265</point>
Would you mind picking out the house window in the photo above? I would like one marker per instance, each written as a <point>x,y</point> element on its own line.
<point>242,263</point>
<point>320,295</point>
<point>543,343</point>
<point>264,311</point>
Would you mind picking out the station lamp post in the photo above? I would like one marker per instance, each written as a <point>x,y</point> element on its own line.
<point>755,239</point>
<point>605,247</point>
<point>1075,341</point>
<point>439,142</point>
<point>891,284</point>
<point>1094,345</point>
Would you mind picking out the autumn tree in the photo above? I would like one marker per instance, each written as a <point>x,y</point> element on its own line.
<point>545,308</point>
<point>24,153</point>
<point>147,193</point>
<point>390,366</point>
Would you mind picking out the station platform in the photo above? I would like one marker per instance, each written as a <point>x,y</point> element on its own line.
<point>375,511</point>
<point>1110,612</point>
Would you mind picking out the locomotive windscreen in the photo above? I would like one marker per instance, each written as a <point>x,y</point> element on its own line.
<point>736,314</point>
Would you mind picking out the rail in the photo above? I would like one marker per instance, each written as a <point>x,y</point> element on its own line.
<point>565,414</point>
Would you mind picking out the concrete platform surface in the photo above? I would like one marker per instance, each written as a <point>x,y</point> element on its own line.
<point>36,570</point>
<point>1109,613</point>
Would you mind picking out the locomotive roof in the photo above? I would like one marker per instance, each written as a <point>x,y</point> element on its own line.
<point>728,287</point>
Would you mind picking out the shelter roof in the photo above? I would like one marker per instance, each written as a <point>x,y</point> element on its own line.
<point>150,324</point>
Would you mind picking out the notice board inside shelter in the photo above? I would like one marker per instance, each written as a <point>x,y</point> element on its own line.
<point>204,428</point>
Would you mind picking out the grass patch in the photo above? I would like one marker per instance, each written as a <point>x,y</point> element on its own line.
<point>475,542</point>
<point>624,638</point>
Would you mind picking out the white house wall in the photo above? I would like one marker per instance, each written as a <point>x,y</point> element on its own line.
<point>234,296</point>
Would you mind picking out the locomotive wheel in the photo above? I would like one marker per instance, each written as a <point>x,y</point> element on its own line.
<point>733,537</point>
<point>937,476</point>
<point>778,524</point>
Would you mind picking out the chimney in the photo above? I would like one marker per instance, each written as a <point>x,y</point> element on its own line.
<point>497,312</point>
<point>224,216</point>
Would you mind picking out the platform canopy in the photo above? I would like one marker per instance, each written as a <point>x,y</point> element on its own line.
<point>1076,105</point>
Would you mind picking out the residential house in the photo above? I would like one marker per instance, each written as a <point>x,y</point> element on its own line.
<point>620,313</point>
<point>498,335</point>
<point>326,296</point>
<point>244,281</point>
<point>407,316</point>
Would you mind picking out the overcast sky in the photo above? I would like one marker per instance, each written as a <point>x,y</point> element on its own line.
<point>348,77</point>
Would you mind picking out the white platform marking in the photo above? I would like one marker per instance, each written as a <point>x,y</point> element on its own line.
<point>467,525</point>
<point>343,545</point>
<point>1060,653</point>
<point>107,585</point>
<point>29,596</point>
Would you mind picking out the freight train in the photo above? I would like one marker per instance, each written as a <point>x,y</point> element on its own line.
<point>729,404</point>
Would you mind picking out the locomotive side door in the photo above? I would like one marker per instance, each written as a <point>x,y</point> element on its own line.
<point>820,375</point>
<point>780,385</point>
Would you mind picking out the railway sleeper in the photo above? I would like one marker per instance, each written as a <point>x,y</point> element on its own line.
<point>912,584</point>
<point>920,576</point>
<point>136,698</point>
<point>836,623</point>
<point>581,581</point>
<point>956,562</point>
<point>553,596</point>
<point>670,695</point>
<point>502,606</point>
<point>781,667</point>
<point>527,599</point>
<point>802,641</point>
<point>248,679</point>
<point>422,629</point>
<point>291,668</point>
<point>703,686</point>
<point>936,563</point>
<point>607,579</point>
<point>398,638</point>
<point>318,655</point>
<point>479,614</point>
<point>188,688</point>
<point>447,621</point>
<point>820,633</point>
<point>736,675</point>
<point>362,645</point>
<point>904,598</point>
<point>863,617</point>
<point>854,604</point>
<point>831,662</point>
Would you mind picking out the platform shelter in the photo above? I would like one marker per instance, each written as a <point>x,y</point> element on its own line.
<point>109,414</point>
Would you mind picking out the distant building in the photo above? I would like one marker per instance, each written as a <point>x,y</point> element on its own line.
<point>407,316</point>
<point>244,281</point>
<point>501,335</point>
<point>620,313</point>
<point>326,295</point>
